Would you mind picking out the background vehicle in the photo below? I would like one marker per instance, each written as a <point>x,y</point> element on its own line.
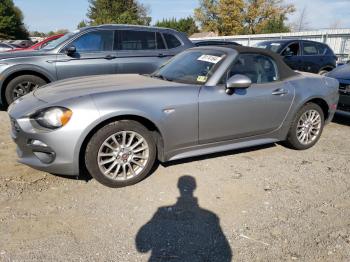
<point>205,100</point>
<point>39,45</point>
<point>215,42</point>
<point>107,49</point>
<point>303,55</point>
<point>342,74</point>
<point>6,47</point>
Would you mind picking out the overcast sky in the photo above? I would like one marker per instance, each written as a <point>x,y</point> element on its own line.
<point>53,14</point>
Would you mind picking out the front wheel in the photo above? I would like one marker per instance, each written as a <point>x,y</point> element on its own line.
<point>306,128</point>
<point>120,154</point>
<point>22,85</point>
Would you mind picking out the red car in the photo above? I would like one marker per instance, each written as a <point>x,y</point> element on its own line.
<point>39,45</point>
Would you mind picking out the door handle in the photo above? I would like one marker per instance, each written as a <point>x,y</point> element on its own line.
<point>161,55</point>
<point>110,57</point>
<point>280,92</point>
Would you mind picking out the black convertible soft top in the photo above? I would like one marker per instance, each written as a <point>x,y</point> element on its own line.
<point>284,70</point>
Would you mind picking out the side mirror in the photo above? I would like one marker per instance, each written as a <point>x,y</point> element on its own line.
<point>238,82</point>
<point>70,50</point>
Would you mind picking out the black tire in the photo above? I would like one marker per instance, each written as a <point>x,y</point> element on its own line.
<point>323,72</point>
<point>24,79</point>
<point>292,139</point>
<point>96,141</point>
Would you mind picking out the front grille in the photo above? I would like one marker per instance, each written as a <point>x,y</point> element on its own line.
<point>344,89</point>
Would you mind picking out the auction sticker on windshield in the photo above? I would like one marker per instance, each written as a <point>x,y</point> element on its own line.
<point>210,59</point>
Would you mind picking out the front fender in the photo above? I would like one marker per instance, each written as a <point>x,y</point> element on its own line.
<point>16,69</point>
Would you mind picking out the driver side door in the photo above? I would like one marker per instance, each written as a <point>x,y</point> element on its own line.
<point>94,56</point>
<point>257,110</point>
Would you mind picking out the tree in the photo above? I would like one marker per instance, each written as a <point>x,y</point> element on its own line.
<point>301,23</point>
<point>228,17</point>
<point>207,15</point>
<point>11,21</point>
<point>260,13</point>
<point>82,24</point>
<point>117,12</point>
<point>231,17</point>
<point>186,25</point>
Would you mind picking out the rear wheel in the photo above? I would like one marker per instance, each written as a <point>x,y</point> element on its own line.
<point>306,128</point>
<point>323,72</point>
<point>120,154</point>
<point>22,85</point>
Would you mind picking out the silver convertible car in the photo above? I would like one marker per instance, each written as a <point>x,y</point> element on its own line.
<point>204,100</point>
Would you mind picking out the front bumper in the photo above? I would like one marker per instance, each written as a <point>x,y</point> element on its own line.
<point>53,151</point>
<point>43,151</point>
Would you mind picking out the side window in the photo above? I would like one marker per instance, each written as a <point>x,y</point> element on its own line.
<point>95,41</point>
<point>160,42</point>
<point>259,68</point>
<point>322,49</point>
<point>136,40</point>
<point>292,49</point>
<point>171,41</point>
<point>309,49</point>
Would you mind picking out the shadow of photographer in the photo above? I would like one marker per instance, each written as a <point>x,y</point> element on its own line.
<point>184,231</point>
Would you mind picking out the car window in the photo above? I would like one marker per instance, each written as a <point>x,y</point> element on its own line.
<point>321,49</point>
<point>171,41</point>
<point>292,49</point>
<point>59,41</point>
<point>259,68</point>
<point>46,43</point>
<point>94,41</point>
<point>136,40</point>
<point>272,46</point>
<point>160,42</point>
<point>309,49</point>
<point>191,67</point>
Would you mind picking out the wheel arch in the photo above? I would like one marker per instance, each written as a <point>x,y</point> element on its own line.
<point>321,103</point>
<point>150,125</point>
<point>326,68</point>
<point>17,73</point>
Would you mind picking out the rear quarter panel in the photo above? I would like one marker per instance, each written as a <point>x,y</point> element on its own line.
<point>308,87</point>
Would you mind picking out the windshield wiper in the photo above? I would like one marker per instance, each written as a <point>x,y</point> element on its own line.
<point>160,77</point>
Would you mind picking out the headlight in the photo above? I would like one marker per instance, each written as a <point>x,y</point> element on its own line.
<point>53,117</point>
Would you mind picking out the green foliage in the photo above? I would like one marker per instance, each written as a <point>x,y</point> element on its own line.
<point>11,21</point>
<point>186,25</point>
<point>82,24</point>
<point>230,17</point>
<point>207,15</point>
<point>117,12</point>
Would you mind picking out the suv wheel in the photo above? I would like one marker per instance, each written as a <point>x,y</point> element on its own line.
<point>323,72</point>
<point>306,128</point>
<point>120,154</point>
<point>22,85</point>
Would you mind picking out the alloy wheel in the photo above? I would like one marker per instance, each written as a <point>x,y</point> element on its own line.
<point>24,88</point>
<point>123,155</point>
<point>309,127</point>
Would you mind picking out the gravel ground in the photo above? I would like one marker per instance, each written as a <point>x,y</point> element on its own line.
<point>263,204</point>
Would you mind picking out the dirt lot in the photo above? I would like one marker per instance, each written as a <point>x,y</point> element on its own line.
<point>263,204</point>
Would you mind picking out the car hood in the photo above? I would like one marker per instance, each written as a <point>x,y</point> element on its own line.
<point>81,86</point>
<point>21,54</point>
<point>341,72</point>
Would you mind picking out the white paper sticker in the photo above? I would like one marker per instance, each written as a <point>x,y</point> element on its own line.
<point>210,59</point>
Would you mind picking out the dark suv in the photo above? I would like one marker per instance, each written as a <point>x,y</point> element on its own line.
<point>303,55</point>
<point>107,49</point>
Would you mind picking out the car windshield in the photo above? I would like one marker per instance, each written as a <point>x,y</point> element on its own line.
<point>272,46</point>
<point>191,67</point>
<point>57,42</point>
